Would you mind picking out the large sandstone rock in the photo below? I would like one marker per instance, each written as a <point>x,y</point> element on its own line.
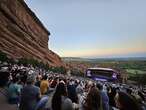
<point>23,35</point>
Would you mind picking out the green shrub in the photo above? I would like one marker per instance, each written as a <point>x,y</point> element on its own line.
<point>3,56</point>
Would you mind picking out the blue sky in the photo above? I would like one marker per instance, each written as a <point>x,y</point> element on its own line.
<point>94,28</point>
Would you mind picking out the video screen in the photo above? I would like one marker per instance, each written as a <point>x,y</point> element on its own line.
<point>101,73</point>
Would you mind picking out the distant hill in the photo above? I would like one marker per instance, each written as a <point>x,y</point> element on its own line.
<point>67,59</point>
<point>75,59</point>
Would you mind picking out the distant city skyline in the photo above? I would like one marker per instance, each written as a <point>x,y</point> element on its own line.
<point>94,28</point>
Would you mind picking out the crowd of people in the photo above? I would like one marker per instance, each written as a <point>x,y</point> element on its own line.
<point>36,89</point>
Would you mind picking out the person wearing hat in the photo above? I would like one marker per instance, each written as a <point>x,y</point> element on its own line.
<point>30,94</point>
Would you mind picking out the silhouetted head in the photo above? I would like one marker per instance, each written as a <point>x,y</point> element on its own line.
<point>61,90</point>
<point>125,102</point>
<point>99,86</point>
<point>15,80</point>
<point>45,77</point>
<point>93,100</point>
<point>31,79</point>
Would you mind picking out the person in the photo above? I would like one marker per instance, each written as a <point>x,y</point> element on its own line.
<point>111,95</point>
<point>141,94</point>
<point>38,81</point>
<point>93,100</point>
<point>42,103</point>
<point>81,95</point>
<point>4,77</point>
<point>72,92</point>
<point>105,98</point>
<point>4,105</point>
<point>44,86</point>
<point>139,101</point>
<point>125,102</point>
<point>14,91</point>
<point>60,101</point>
<point>30,94</point>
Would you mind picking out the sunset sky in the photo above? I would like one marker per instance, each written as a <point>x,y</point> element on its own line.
<point>94,28</point>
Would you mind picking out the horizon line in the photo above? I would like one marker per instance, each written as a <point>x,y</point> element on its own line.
<point>104,57</point>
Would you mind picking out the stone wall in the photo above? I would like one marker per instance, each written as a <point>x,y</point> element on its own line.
<point>23,35</point>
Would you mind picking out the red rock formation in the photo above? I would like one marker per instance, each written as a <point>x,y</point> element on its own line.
<point>23,35</point>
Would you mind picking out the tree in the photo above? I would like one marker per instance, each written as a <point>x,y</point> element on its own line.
<point>3,56</point>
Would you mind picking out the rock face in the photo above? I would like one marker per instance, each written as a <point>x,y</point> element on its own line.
<point>23,35</point>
